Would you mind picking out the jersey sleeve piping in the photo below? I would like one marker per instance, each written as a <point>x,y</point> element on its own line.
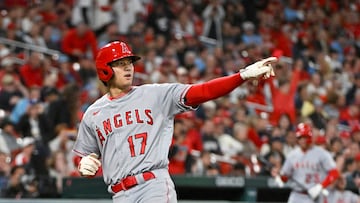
<point>182,99</point>
<point>79,153</point>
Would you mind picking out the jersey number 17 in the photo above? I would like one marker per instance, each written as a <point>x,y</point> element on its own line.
<point>142,137</point>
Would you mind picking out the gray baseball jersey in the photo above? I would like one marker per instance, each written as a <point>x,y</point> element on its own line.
<point>307,169</point>
<point>346,196</point>
<point>132,134</point>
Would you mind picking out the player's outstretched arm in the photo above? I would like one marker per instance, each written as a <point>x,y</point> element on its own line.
<point>200,93</point>
<point>89,165</point>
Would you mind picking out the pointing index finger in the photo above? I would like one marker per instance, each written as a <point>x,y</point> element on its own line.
<point>270,60</point>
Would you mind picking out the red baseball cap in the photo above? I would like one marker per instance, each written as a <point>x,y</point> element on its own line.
<point>345,134</point>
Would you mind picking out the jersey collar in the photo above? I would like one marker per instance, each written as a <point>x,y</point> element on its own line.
<point>118,96</point>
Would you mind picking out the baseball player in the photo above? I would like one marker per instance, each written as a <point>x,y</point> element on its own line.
<point>128,131</point>
<point>340,194</point>
<point>309,169</point>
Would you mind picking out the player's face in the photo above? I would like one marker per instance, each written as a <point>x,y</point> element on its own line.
<point>123,73</point>
<point>303,142</point>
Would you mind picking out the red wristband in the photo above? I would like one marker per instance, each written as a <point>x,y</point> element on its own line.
<point>330,178</point>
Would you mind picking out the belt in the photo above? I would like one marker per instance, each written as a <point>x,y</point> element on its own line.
<point>130,181</point>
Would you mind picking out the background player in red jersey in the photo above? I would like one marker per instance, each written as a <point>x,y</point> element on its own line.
<point>309,169</point>
<point>131,127</point>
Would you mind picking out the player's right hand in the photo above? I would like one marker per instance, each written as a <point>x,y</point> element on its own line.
<point>89,165</point>
<point>315,191</point>
<point>261,68</point>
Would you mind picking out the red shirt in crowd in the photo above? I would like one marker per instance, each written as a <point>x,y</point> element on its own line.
<point>192,141</point>
<point>283,103</point>
<point>257,96</point>
<point>73,42</point>
<point>32,76</point>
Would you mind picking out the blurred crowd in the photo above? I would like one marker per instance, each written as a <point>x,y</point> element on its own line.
<point>247,133</point>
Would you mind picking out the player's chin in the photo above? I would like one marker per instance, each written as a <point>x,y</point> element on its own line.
<point>128,79</point>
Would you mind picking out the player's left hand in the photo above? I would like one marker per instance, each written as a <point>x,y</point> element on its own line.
<point>261,68</point>
<point>315,191</point>
<point>89,165</point>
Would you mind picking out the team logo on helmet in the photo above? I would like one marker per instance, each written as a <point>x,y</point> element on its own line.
<point>124,48</point>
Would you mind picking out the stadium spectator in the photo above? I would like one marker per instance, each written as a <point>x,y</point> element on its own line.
<point>34,36</point>
<point>5,169</point>
<point>110,33</point>
<point>22,105</point>
<point>355,133</point>
<point>285,91</point>
<point>349,167</point>
<point>290,142</point>
<point>47,96</point>
<point>350,94</point>
<point>51,37</point>
<point>202,163</point>
<point>240,133</point>
<point>11,92</point>
<point>24,157</point>
<point>179,151</point>
<point>160,20</point>
<point>213,16</point>
<point>187,144</point>
<point>63,113</point>
<point>8,66</point>
<point>32,73</point>
<point>102,15</point>
<point>209,138</point>
<point>20,185</point>
<point>80,42</point>
<point>58,168</point>
<point>127,14</point>
<point>228,144</point>
<point>164,73</point>
<point>183,26</point>
<point>8,137</point>
<point>33,123</point>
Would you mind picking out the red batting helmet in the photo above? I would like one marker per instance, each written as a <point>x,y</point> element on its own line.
<point>303,130</point>
<point>111,52</point>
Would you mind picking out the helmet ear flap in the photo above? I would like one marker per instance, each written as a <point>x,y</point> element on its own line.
<point>105,73</point>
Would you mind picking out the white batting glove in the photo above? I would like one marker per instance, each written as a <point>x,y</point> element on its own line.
<point>258,69</point>
<point>278,181</point>
<point>89,165</point>
<point>315,191</point>
<point>325,192</point>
